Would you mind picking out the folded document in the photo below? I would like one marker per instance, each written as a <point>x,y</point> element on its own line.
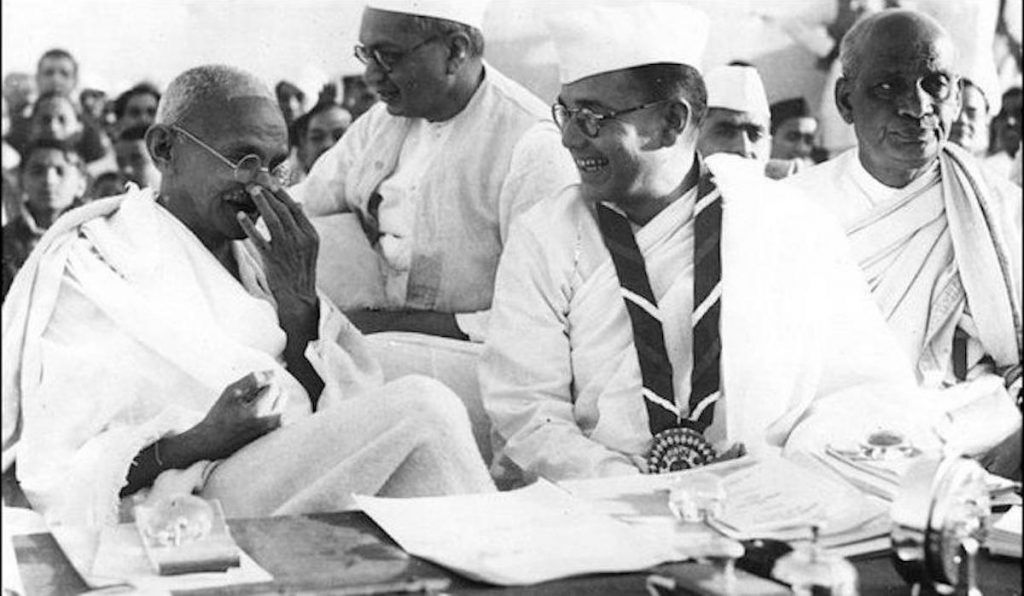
<point>530,535</point>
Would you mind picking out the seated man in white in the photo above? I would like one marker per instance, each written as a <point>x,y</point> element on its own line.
<point>670,310</point>
<point>938,237</point>
<point>436,170</point>
<point>157,341</point>
<point>434,174</point>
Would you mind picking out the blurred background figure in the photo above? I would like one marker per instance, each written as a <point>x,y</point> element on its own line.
<point>315,132</point>
<point>970,130</point>
<point>357,97</point>
<point>291,99</point>
<point>19,92</point>
<point>94,106</point>
<point>57,72</point>
<point>52,181</point>
<point>133,160</point>
<point>136,107</point>
<point>794,131</point>
<point>56,114</point>
<point>107,184</point>
<point>55,117</point>
<point>328,94</point>
<point>1006,133</point>
<point>10,161</point>
<point>318,130</point>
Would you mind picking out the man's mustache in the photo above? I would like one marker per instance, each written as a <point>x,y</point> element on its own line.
<point>914,126</point>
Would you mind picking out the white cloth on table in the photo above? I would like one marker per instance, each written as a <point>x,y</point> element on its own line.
<point>122,329</point>
<point>444,217</point>
<point>806,359</point>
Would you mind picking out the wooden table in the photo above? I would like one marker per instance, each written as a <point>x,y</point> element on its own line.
<point>328,552</point>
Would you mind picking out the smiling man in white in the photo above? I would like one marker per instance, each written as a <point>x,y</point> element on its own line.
<point>669,308</point>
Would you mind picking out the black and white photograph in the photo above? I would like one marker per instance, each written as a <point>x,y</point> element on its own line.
<point>512,297</point>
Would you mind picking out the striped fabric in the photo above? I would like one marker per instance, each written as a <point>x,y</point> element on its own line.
<point>655,368</point>
<point>705,382</point>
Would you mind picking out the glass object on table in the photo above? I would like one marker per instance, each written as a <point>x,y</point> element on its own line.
<point>808,569</point>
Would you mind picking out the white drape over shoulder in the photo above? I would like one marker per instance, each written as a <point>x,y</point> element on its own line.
<point>122,328</point>
<point>942,252</point>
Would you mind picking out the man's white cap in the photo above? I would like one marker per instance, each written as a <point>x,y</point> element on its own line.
<point>736,88</point>
<point>467,12</point>
<point>601,39</point>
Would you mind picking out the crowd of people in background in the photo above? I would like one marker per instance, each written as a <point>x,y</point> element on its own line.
<point>64,146</point>
<point>102,138</point>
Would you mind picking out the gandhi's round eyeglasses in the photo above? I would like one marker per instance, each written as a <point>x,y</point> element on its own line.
<point>248,170</point>
<point>589,121</point>
<point>387,60</point>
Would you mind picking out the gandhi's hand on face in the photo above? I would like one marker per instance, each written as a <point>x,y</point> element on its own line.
<point>289,255</point>
<point>289,259</point>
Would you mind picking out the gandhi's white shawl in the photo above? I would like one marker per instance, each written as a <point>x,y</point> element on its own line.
<point>122,328</point>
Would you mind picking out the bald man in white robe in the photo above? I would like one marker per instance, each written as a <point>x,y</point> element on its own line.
<point>934,233</point>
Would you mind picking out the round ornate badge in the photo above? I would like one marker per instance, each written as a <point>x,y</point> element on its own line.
<point>679,449</point>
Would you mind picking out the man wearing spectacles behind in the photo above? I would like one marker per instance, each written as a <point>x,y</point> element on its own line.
<point>932,231</point>
<point>437,170</point>
<point>158,342</point>
<point>671,309</point>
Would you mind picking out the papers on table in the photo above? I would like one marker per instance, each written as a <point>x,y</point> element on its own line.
<point>606,525</point>
<point>776,498</point>
<point>535,534</point>
<point>879,478</point>
<point>883,478</point>
<point>766,497</point>
<point>1004,538</point>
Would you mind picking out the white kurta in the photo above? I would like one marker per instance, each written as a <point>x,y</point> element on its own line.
<point>806,358</point>
<point>123,328</point>
<point>448,190</point>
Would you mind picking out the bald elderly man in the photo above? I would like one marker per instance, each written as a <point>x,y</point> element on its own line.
<point>438,169</point>
<point>932,230</point>
<point>156,342</point>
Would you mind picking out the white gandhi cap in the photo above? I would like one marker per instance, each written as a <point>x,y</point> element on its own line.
<point>598,39</point>
<point>467,12</point>
<point>737,88</point>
